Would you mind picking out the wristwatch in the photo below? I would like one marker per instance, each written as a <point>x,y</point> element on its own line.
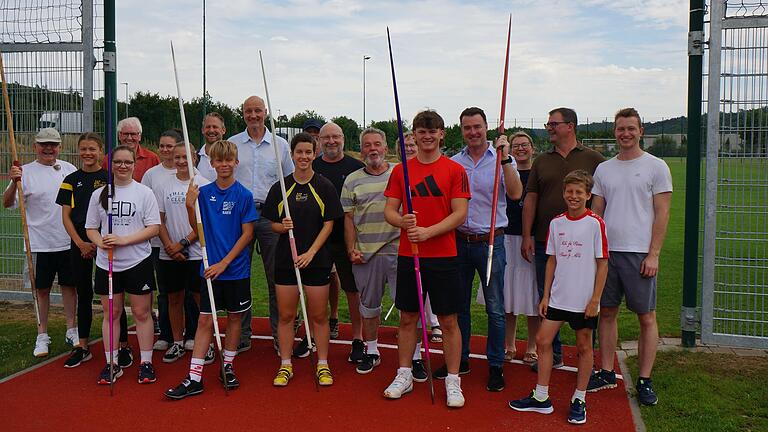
<point>184,242</point>
<point>508,160</point>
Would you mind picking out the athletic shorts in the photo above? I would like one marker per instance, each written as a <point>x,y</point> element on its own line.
<point>577,320</point>
<point>371,278</point>
<point>233,296</point>
<point>312,276</point>
<point>175,276</point>
<point>48,265</point>
<point>137,280</point>
<point>343,266</point>
<point>624,280</point>
<point>439,279</point>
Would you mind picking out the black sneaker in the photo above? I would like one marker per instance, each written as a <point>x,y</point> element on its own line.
<point>302,349</point>
<point>210,355</point>
<point>147,373</point>
<point>244,346</point>
<point>578,413</point>
<point>358,348</point>
<point>175,352</point>
<point>495,379</point>
<point>601,380</point>
<point>557,363</point>
<point>532,404</point>
<point>186,388</point>
<point>117,372</point>
<point>333,325</point>
<point>645,393</point>
<point>124,357</point>
<point>229,375</point>
<point>369,362</point>
<point>77,356</point>
<point>442,372</point>
<point>419,371</point>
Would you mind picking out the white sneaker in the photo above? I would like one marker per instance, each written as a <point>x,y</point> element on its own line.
<point>189,344</point>
<point>161,345</point>
<point>402,384</point>
<point>41,345</point>
<point>72,337</point>
<point>455,398</point>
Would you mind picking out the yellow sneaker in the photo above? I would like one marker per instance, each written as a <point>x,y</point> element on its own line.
<point>324,377</point>
<point>284,374</point>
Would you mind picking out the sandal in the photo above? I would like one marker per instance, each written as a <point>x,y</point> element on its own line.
<point>437,335</point>
<point>530,358</point>
<point>509,355</point>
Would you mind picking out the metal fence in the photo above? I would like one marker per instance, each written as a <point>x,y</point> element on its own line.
<point>52,56</point>
<point>735,262</point>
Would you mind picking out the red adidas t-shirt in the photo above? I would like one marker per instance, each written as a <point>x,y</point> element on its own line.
<point>433,186</point>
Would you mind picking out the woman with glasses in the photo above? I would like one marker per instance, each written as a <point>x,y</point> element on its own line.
<point>135,219</point>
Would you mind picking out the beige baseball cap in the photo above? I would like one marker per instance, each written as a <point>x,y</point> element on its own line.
<point>48,135</point>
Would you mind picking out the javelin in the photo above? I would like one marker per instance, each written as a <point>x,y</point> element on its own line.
<point>497,174</point>
<point>20,192</point>
<point>414,246</point>
<point>291,239</point>
<point>110,252</point>
<point>200,232</point>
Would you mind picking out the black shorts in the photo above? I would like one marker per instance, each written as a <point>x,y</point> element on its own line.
<point>343,266</point>
<point>577,320</point>
<point>233,296</point>
<point>317,276</point>
<point>175,276</point>
<point>49,264</point>
<point>137,280</point>
<point>439,279</point>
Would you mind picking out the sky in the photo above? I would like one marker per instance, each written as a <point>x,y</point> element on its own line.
<point>595,56</point>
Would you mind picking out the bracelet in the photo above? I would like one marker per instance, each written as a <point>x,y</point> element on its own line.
<point>508,160</point>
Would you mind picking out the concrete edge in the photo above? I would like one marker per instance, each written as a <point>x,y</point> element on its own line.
<point>629,385</point>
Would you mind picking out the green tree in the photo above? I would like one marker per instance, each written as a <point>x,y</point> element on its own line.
<point>298,119</point>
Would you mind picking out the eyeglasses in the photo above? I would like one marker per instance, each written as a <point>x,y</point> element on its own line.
<point>123,162</point>
<point>553,124</point>
<point>131,134</point>
<point>520,146</point>
<point>331,137</point>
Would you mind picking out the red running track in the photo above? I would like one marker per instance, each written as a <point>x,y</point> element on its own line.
<point>52,398</point>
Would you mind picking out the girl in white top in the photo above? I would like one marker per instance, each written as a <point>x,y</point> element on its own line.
<point>135,219</point>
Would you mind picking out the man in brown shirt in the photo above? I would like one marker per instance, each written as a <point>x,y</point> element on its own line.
<point>544,194</point>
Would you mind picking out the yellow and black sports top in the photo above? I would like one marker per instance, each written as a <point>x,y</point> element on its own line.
<point>76,191</point>
<point>311,204</point>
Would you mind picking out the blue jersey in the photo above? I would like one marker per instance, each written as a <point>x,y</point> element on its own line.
<point>224,211</point>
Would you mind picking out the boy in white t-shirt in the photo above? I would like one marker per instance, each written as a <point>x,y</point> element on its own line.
<point>577,266</point>
<point>48,240</point>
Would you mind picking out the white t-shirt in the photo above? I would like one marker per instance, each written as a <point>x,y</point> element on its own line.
<point>172,202</point>
<point>575,243</point>
<point>134,207</point>
<point>155,178</point>
<point>204,166</point>
<point>628,188</point>
<point>41,185</point>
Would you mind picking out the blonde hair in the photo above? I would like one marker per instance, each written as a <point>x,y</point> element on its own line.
<point>222,150</point>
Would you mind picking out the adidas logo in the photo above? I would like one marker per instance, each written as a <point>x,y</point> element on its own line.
<point>427,187</point>
<point>145,287</point>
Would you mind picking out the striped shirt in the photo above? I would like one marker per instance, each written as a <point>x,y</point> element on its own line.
<point>363,196</point>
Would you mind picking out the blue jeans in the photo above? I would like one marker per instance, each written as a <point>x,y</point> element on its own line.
<point>541,269</point>
<point>473,257</point>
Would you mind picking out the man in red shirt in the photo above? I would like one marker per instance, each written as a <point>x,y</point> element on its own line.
<point>129,135</point>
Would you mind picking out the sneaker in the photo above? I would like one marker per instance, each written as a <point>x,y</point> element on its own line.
<point>186,388</point>
<point>161,345</point>
<point>210,355</point>
<point>418,371</point>
<point>601,380</point>
<point>229,376</point>
<point>358,348</point>
<point>175,352</point>
<point>532,404</point>
<point>124,357</point>
<point>578,413</point>
<point>324,377</point>
<point>402,384</point>
<point>333,324</point>
<point>147,373</point>
<point>442,372</point>
<point>495,379</point>
<point>284,374</point>
<point>645,393</point>
<point>302,349</point>
<point>71,337</point>
<point>244,346</point>
<point>41,345</point>
<point>369,362</point>
<point>557,363</point>
<point>77,356</point>
<point>117,372</point>
<point>189,344</point>
<point>453,394</point>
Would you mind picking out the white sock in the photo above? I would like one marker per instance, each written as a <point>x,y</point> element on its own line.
<point>541,393</point>
<point>229,357</point>
<point>146,356</point>
<point>196,369</point>
<point>114,356</point>
<point>322,362</point>
<point>286,362</point>
<point>417,351</point>
<point>372,347</point>
<point>405,371</point>
<point>579,394</point>
<point>451,376</point>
